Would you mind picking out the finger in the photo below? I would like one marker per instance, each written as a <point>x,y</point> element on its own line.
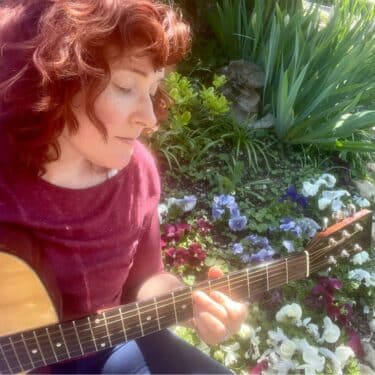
<point>237,312</point>
<point>210,329</point>
<point>203,303</point>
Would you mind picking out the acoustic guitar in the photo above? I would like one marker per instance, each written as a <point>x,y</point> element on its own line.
<point>32,337</point>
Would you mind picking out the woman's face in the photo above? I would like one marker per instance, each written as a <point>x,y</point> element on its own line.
<point>125,107</point>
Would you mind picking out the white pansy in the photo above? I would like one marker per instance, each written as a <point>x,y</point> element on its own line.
<point>231,353</point>
<point>313,330</point>
<point>277,336</point>
<point>287,349</point>
<point>284,367</point>
<point>366,309</point>
<point>361,202</point>
<point>328,179</point>
<point>336,363</point>
<point>360,258</point>
<point>171,201</point>
<point>310,354</point>
<point>333,198</point>
<point>309,189</point>
<point>331,331</point>
<point>162,211</point>
<point>372,325</point>
<point>291,312</point>
<point>361,275</point>
<point>343,353</point>
<point>245,331</point>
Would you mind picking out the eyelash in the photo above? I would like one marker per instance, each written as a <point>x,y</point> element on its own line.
<point>126,90</point>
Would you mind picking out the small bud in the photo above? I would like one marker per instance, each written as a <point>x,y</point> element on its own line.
<point>344,253</point>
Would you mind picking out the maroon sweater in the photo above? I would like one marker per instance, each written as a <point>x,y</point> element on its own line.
<point>92,247</point>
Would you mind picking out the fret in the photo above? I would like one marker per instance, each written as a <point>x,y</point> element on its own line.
<point>52,346</point>
<point>140,318</point>
<point>63,337</point>
<point>78,339</point>
<point>16,354</point>
<point>23,347</point>
<point>209,286</point>
<point>21,351</point>
<point>123,324</point>
<point>100,332</point>
<point>248,283</point>
<point>157,313</point>
<point>70,340</point>
<point>268,280</point>
<point>10,360</point>
<point>5,367</point>
<point>258,280</point>
<point>57,342</point>
<point>92,334</point>
<point>183,304</point>
<point>165,311</point>
<point>40,350</point>
<point>106,328</point>
<point>32,347</point>
<point>228,285</point>
<point>131,320</point>
<point>114,326</point>
<point>86,342</point>
<point>286,271</point>
<point>148,316</point>
<point>174,307</point>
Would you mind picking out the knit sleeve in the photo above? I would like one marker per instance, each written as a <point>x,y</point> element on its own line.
<point>147,260</point>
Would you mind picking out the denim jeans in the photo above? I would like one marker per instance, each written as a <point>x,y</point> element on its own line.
<point>158,353</point>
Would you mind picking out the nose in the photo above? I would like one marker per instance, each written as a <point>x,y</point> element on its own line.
<point>145,114</point>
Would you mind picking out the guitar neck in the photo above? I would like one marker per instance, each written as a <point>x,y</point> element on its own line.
<point>58,342</point>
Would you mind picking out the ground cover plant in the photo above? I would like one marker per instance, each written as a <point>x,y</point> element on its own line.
<point>309,325</point>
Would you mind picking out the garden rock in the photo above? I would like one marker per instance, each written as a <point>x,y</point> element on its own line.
<point>369,354</point>
<point>243,79</point>
<point>366,189</point>
<point>365,370</point>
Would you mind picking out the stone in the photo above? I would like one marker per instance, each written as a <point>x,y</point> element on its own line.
<point>246,73</point>
<point>365,188</point>
<point>265,122</point>
<point>365,370</point>
<point>369,353</point>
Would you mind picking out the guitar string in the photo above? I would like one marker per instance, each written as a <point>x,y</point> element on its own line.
<point>273,275</point>
<point>225,280</point>
<point>173,320</point>
<point>50,360</point>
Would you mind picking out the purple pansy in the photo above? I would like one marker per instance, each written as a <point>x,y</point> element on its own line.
<point>294,196</point>
<point>237,223</point>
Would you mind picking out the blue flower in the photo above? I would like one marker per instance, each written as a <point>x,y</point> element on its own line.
<point>287,224</point>
<point>258,240</point>
<point>246,258</point>
<point>224,200</point>
<point>263,254</point>
<point>293,195</point>
<point>234,211</point>
<point>309,226</point>
<point>237,248</point>
<point>217,212</point>
<point>237,223</point>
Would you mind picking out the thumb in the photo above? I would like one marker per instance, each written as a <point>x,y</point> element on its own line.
<point>215,272</point>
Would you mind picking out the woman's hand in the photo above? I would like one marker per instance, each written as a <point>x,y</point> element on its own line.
<point>216,316</point>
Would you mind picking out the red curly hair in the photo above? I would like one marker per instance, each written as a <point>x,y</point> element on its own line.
<point>50,49</point>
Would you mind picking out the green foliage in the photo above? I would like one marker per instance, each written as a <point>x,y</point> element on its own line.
<point>200,128</point>
<point>319,78</point>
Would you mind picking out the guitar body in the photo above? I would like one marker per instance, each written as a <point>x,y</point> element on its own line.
<point>24,301</point>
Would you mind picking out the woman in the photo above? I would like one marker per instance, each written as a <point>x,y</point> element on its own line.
<point>79,83</point>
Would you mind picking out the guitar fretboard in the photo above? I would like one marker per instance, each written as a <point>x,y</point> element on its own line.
<point>42,346</point>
